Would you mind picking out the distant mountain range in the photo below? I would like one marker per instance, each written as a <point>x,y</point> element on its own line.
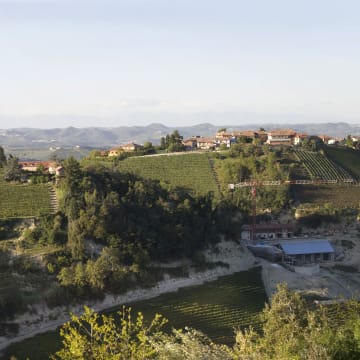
<point>101,137</point>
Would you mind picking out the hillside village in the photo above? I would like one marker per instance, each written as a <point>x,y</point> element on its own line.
<point>223,140</point>
<point>309,241</point>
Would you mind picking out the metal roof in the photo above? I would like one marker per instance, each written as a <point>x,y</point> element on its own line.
<point>306,247</point>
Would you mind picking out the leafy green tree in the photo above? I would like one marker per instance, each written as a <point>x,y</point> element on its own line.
<point>95,337</point>
<point>76,239</point>
<point>2,157</point>
<point>172,142</point>
<point>349,141</point>
<point>148,148</point>
<point>13,170</point>
<point>294,330</point>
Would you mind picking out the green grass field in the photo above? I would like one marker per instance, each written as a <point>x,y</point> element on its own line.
<point>190,171</point>
<point>215,308</point>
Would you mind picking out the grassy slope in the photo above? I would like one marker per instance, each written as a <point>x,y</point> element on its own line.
<point>340,196</point>
<point>348,158</point>
<point>190,171</point>
<point>216,308</point>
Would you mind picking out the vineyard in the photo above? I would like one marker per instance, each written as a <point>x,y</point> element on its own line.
<point>340,196</point>
<point>21,201</point>
<point>190,171</point>
<point>320,167</point>
<point>216,308</point>
<point>347,158</point>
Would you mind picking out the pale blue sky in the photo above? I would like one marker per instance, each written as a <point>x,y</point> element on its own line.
<point>178,62</point>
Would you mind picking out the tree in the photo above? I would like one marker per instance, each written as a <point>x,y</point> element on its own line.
<point>95,337</point>
<point>12,169</point>
<point>292,329</point>
<point>148,148</point>
<point>172,142</point>
<point>2,157</point>
<point>349,141</point>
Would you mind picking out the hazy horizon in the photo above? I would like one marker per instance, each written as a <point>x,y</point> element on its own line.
<point>135,62</point>
<point>168,120</point>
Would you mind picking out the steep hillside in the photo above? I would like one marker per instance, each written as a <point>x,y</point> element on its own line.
<point>21,201</point>
<point>189,171</point>
<point>320,167</point>
<point>347,158</point>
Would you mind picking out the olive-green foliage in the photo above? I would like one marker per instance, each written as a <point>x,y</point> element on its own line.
<point>320,167</point>
<point>136,218</point>
<point>172,142</point>
<point>254,163</point>
<point>345,157</point>
<point>292,329</point>
<point>312,143</point>
<point>50,229</point>
<point>21,201</point>
<point>94,337</point>
<point>91,336</point>
<point>192,172</point>
<point>2,157</point>
<point>12,169</point>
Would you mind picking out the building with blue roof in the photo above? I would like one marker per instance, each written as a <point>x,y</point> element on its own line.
<point>301,252</point>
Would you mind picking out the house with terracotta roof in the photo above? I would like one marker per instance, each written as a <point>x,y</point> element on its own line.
<point>282,137</point>
<point>206,143</point>
<point>223,137</point>
<point>330,140</point>
<point>190,143</point>
<point>115,151</point>
<point>131,147</point>
<point>299,137</point>
<point>32,166</point>
<point>251,134</point>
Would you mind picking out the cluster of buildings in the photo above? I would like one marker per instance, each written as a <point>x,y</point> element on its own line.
<point>277,242</point>
<point>285,137</point>
<point>49,167</point>
<point>279,137</point>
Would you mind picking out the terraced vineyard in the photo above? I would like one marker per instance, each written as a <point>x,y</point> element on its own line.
<point>21,201</point>
<point>347,158</point>
<point>320,167</point>
<point>192,171</point>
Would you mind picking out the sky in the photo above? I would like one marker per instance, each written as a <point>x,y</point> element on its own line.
<point>178,62</point>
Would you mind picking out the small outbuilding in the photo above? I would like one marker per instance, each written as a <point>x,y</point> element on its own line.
<point>301,252</point>
<point>268,231</point>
